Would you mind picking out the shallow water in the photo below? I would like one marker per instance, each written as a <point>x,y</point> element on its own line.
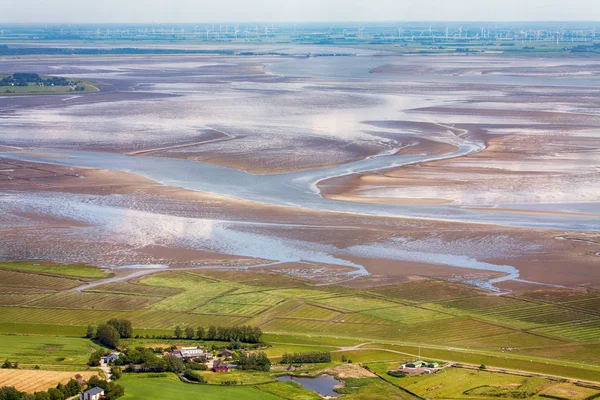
<point>323,384</point>
<point>299,189</point>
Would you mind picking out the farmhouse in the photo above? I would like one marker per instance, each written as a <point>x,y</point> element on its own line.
<point>226,353</point>
<point>114,356</point>
<point>220,366</point>
<point>92,394</point>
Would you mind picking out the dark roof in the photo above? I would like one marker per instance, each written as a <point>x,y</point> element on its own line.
<point>225,351</point>
<point>219,364</point>
<point>93,391</point>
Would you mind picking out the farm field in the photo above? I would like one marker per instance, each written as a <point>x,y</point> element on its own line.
<point>94,301</point>
<point>74,270</point>
<point>500,360</point>
<point>197,290</point>
<point>30,381</point>
<point>167,387</point>
<point>458,383</point>
<point>473,326</point>
<point>48,352</point>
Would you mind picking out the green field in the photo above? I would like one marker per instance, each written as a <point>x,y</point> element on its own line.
<point>548,331</point>
<point>33,89</point>
<point>459,383</point>
<point>49,352</point>
<point>168,387</point>
<point>74,270</point>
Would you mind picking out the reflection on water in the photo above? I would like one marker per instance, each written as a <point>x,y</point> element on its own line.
<point>323,384</point>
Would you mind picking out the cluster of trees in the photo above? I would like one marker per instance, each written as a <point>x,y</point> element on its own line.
<point>245,333</point>
<point>254,361</point>
<point>110,333</point>
<point>22,51</point>
<point>306,358</point>
<point>24,78</point>
<point>60,392</point>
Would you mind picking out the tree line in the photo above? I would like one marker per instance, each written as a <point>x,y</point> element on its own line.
<point>306,358</point>
<point>254,361</point>
<point>244,333</point>
<point>24,78</point>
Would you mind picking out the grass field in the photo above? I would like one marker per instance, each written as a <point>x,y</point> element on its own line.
<point>550,327</point>
<point>289,390</point>
<point>32,89</point>
<point>73,270</point>
<point>49,352</point>
<point>197,290</point>
<point>23,280</point>
<point>136,289</point>
<point>307,311</point>
<point>94,301</point>
<point>458,383</point>
<point>30,381</point>
<point>168,387</point>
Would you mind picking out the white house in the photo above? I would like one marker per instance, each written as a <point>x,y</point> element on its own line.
<point>114,356</point>
<point>92,394</point>
<point>191,352</point>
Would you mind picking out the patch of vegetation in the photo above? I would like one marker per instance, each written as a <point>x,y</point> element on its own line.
<point>141,387</point>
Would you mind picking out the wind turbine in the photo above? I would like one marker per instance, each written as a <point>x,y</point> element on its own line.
<point>256,30</point>
<point>246,33</point>
<point>207,32</point>
<point>236,31</point>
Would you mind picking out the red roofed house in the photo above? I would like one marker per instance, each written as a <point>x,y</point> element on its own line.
<point>220,366</point>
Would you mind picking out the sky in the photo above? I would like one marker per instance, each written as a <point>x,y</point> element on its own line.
<point>195,11</point>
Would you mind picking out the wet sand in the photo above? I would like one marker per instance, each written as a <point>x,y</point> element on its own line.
<point>541,147</point>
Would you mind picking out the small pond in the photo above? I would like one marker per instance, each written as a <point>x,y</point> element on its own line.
<point>323,384</point>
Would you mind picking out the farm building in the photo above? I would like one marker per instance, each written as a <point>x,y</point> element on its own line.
<point>92,394</point>
<point>432,365</point>
<point>226,353</point>
<point>220,366</point>
<point>114,356</point>
<point>416,364</point>
<point>191,352</point>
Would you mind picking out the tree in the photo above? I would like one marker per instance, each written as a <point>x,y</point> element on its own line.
<point>190,375</point>
<point>178,332</point>
<point>108,336</point>
<point>41,396</point>
<point>10,393</point>
<point>90,332</point>
<point>344,359</point>
<point>56,394</point>
<point>174,364</point>
<point>482,366</point>
<point>189,333</point>
<point>72,388</point>
<point>115,372</point>
<point>123,326</point>
<point>211,334</point>
<point>200,332</point>
<point>114,391</point>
